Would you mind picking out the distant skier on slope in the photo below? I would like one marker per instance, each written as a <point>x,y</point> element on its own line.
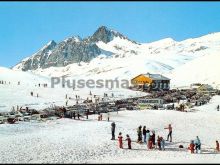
<point>218,108</point>
<point>108,116</point>
<point>74,115</point>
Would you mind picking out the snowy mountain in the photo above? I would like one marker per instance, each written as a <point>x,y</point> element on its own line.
<point>71,50</point>
<point>109,54</point>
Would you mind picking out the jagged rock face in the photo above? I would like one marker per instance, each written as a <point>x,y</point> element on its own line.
<point>62,54</point>
<point>39,58</point>
<point>105,35</point>
<point>71,50</point>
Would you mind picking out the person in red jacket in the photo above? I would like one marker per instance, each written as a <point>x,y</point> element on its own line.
<point>129,141</point>
<point>150,143</point>
<point>191,147</point>
<point>217,146</point>
<point>120,140</point>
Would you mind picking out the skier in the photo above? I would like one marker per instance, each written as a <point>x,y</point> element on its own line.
<point>113,125</point>
<point>153,139</point>
<point>74,115</point>
<point>144,133</point>
<point>147,136</point>
<point>129,141</point>
<point>139,134</point>
<point>162,143</point>
<point>32,93</point>
<point>191,147</point>
<point>170,133</point>
<point>150,143</point>
<point>217,146</point>
<point>78,116</point>
<point>159,142</point>
<point>218,108</point>
<point>198,144</point>
<point>120,140</point>
<point>108,116</point>
<point>87,114</point>
<point>64,111</point>
<point>99,117</point>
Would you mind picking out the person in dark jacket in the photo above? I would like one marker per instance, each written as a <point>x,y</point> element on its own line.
<point>153,138</point>
<point>217,146</point>
<point>159,142</point>
<point>144,133</point>
<point>78,115</point>
<point>139,133</point>
<point>74,115</point>
<point>87,114</point>
<point>113,125</point>
<point>129,141</point>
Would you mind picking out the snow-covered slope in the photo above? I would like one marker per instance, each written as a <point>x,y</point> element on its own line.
<point>203,69</point>
<point>12,94</point>
<point>14,76</point>
<point>88,141</point>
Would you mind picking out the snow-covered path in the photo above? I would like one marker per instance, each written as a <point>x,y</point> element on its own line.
<point>88,141</point>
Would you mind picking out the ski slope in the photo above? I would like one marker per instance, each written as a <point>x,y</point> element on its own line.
<point>13,94</point>
<point>88,141</point>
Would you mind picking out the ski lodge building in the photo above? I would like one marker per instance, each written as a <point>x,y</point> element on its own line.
<point>151,82</point>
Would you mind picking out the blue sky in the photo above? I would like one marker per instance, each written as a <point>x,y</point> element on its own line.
<point>26,26</point>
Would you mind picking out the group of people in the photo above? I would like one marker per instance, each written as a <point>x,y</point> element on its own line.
<point>100,116</point>
<point>32,94</point>
<point>195,145</point>
<point>3,82</point>
<point>44,85</point>
<point>120,140</point>
<point>149,137</point>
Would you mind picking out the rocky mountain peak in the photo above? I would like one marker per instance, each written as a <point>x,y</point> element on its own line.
<point>106,35</point>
